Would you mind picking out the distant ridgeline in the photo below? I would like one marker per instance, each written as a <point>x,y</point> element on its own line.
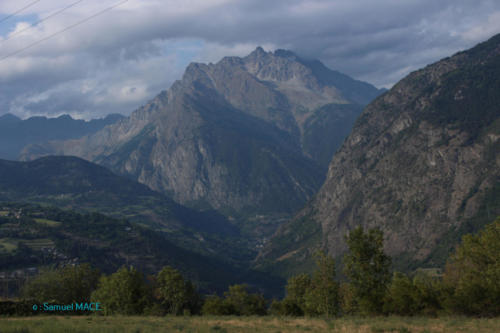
<point>16,133</point>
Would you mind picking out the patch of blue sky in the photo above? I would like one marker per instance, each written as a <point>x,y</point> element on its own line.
<point>9,25</point>
<point>185,50</point>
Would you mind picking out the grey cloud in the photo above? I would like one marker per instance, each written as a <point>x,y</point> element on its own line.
<point>134,47</point>
<point>60,102</point>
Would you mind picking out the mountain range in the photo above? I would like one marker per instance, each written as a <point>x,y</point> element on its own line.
<point>16,133</point>
<point>249,137</point>
<point>272,145</point>
<point>422,163</point>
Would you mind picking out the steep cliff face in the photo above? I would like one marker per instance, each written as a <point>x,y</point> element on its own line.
<point>422,163</point>
<point>245,136</point>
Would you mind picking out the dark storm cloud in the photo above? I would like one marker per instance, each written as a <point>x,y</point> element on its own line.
<point>120,59</point>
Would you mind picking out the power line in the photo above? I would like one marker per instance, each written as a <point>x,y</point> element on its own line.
<point>20,10</point>
<point>63,30</point>
<point>43,20</point>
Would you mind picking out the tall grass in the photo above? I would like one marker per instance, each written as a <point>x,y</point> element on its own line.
<point>211,324</point>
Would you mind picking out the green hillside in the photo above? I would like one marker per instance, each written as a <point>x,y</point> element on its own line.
<point>106,243</point>
<point>73,183</point>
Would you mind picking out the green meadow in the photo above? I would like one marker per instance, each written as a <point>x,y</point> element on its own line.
<point>135,324</point>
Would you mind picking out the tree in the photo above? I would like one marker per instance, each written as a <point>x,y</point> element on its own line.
<point>322,296</point>
<point>429,294</point>
<point>43,287</point>
<point>401,296</point>
<point>215,305</point>
<point>314,296</point>
<point>346,297</point>
<point>472,274</point>
<point>294,303</point>
<point>236,301</point>
<point>368,269</point>
<point>408,297</point>
<point>78,283</point>
<point>243,303</point>
<point>286,307</point>
<point>123,292</point>
<point>64,285</point>
<point>176,294</point>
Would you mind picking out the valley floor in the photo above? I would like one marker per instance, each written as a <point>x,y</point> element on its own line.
<point>207,324</point>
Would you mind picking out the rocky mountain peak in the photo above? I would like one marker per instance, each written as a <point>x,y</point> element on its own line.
<point>281,65</point>
<point>260,53</point>
<point>257,53</point>
<point>241,135</point>
<point>421,163</point>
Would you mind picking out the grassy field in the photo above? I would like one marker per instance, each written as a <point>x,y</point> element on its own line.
<point>50,223</point>
<point>37,244</point>
<point>245,324</point>
<point>11,244</point>
<point>7,245</point>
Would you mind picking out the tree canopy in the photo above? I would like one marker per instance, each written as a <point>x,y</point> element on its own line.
<point>368,269</point>
<point>123,292</point>
<point>64,285</point>
<point>472,274</point>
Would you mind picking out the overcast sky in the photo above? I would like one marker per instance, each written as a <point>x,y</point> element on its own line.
<point>118,60</point>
